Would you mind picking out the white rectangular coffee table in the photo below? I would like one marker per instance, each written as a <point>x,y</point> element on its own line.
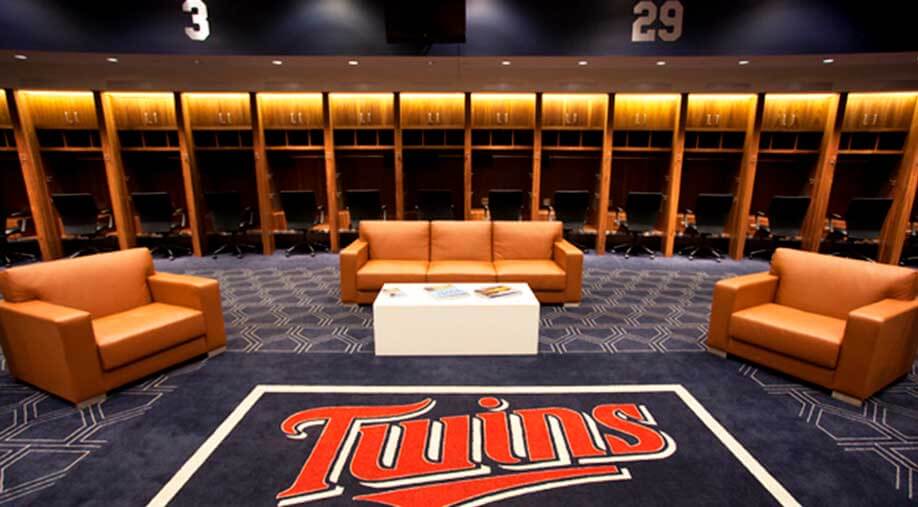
<point>417,324</point>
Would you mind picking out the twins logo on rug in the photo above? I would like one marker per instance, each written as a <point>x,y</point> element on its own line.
<point>451,445</point>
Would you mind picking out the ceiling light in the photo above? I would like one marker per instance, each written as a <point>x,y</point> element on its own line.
<point>661,62</point>
<point>583,62</point>
<point>111,59</point>
<point>353,62</point>
<point>828,60</point>
<point>505,62</point>
<point>277,62</point>
<point>20,57</point>
<point>743,62</point>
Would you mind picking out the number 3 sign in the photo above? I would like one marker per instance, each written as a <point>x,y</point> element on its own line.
<point>198,10</point>
<point>647,12</point>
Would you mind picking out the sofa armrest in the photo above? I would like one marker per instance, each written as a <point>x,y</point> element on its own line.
<point>202,294</point>
<point>570,259</point>
<point>732,295</point>
<point>52,347</point>
<point>352,258</point>
<point>879,346</point>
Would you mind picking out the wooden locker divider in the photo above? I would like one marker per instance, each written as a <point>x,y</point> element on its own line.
<point>674,178</point>
<point>114,171</point>
<point>399,161</point>
<point>33,173</point>
<point>605,176</point>
<point>740,219</point>
<point>814,225</point>
<point>262,177</point>
<point>894,231</point>
<point>536,177</point>
<point>467,159</point>
<point>190,176</point>
<point>331,178</point>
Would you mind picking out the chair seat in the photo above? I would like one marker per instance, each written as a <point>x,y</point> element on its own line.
<point>131,335</point>
<point>802,335</point>
<point>540,274</point>
<point>461,271</point>
<point>377,272</point>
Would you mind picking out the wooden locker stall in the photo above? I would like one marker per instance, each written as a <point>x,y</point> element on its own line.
<point>573,126</point>
<point>644,144</point>
<point>872,163</point>
<point>294,140</point>
<point>13,193</point>
<point>433,145</point>
<point>503,130</point>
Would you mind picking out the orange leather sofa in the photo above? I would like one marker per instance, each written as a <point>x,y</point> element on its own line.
<point>457,251</point>
<point>78,328</point>
<point>844,324</point>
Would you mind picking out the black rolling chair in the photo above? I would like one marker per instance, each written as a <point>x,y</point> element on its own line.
<point>435,205</point>
<point>7,254</point>
<point>364,204</point>
<point>571,208</point>
<point>911,242</point>
<point>230,219</point>
<point>505,204</point>
<point>303,214</point>
<point>712,211</point>
<point>642,211</point>
<point>158,220</point>
<point>864,220</point>
<point>786,214</point>
<point>81,219</point>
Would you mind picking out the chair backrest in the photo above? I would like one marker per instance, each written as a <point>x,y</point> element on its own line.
<point>525,240</point>
<point>155,210</point>
<point>363,204</point>
<point>712,212</point>
<point>643,210</point>
<point>397,240</point>
<point>435,205</point>
<point>865,216</point>
<point>786,214</point>
<point>834,286</point>
<point>300,208</point>
<point>225,210</point>
<point>505,204</point>
<point>79,212</point>
<point>571,207</point>
<point>75,283</point>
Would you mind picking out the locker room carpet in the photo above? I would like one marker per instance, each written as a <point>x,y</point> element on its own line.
<point>641,322</point>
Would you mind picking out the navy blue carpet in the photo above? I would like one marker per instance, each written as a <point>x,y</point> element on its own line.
<point>641,323</point>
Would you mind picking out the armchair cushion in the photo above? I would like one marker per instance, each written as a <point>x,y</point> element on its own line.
<point>397,240</point>
<point>541,275</point>
<point>461,271</point>
<point>806,336</point>
<point>460,241</point>
<point>525,240</point>
<point>375,273</point>
<point>143,331</point>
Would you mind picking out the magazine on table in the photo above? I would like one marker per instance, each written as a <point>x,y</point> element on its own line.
<point>496,291</point>
<point>447,291</point>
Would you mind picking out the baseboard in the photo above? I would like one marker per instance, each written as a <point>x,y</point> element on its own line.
<point>850,400</point>
<point>91,401</point>
<point>571,305</point>
<point>216,352</point>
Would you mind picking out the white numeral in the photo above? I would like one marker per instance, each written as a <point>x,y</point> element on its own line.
<point>198,11</point>
<point>670,15</point>
<point>646,12</point>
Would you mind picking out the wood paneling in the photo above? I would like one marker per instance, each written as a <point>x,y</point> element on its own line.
<point>879,111</point>
<point>746,181</point>
<point>645,112</point>
<point>291,110</point>
<point>432,110</point>
<point>191,177</point>
<point>501,171</point>
<point>906,189</point>
<point>399,162</point>
<point>574,111</point>
<point>368,171</point>
<point>114,172</point>
<point>605,177</point>
<point>362,110</point>
<point>821,181</point>
<point>143,111</point>
<point>503,110</point>
<point>536,175</point>
<point>467,159</point>
<point>62,110</point>
<point>719,112</point>
<point>434,170</point>
<point>219,110</point>
<point>5,121</point>
<point>674,179</point>
<point>803,112</point>
<point>331,178</point>
<point>262,179</point>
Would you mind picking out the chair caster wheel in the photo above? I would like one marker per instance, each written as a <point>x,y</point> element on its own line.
<point>717,261</point>
<point>626,256</point>
<point>652,257</point>
<point>215,257</point>
<point>691,257</point>
<point>286,254</point>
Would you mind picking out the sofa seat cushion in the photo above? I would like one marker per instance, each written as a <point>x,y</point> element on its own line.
<point>376,272</point>
<point>539,274</point>
<point>461,271</point>
<point>134,334</point>
<point>802,335</point>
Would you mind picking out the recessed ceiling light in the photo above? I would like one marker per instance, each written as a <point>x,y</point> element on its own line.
<point>505,62</point>
<point>743,62</point>
<point>111,59</point>
<point>20,57</point>
<point>277,62</point>
<point>583,62</point>
<point>661,62</point>
<point>828,60</point>
<point>353,62</point>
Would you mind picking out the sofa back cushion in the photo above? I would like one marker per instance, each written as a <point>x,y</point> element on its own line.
<point>834,286</point>
<point>397,240</point>
<point>102,284</point>
<point>460,241</point>
<point>525,240</point>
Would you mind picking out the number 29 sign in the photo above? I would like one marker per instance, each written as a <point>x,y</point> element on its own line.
<point>652,22</point>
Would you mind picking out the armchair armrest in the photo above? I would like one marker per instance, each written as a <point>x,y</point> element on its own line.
<point>202,294</point>
<point>52,347</point>
<point>879,346</point>
<point>352,258</point>
<point>732,295</point>
<point>570,259</point>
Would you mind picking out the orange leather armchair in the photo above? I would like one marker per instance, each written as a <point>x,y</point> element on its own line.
<point>78,328</point>
<point>844,324</point>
